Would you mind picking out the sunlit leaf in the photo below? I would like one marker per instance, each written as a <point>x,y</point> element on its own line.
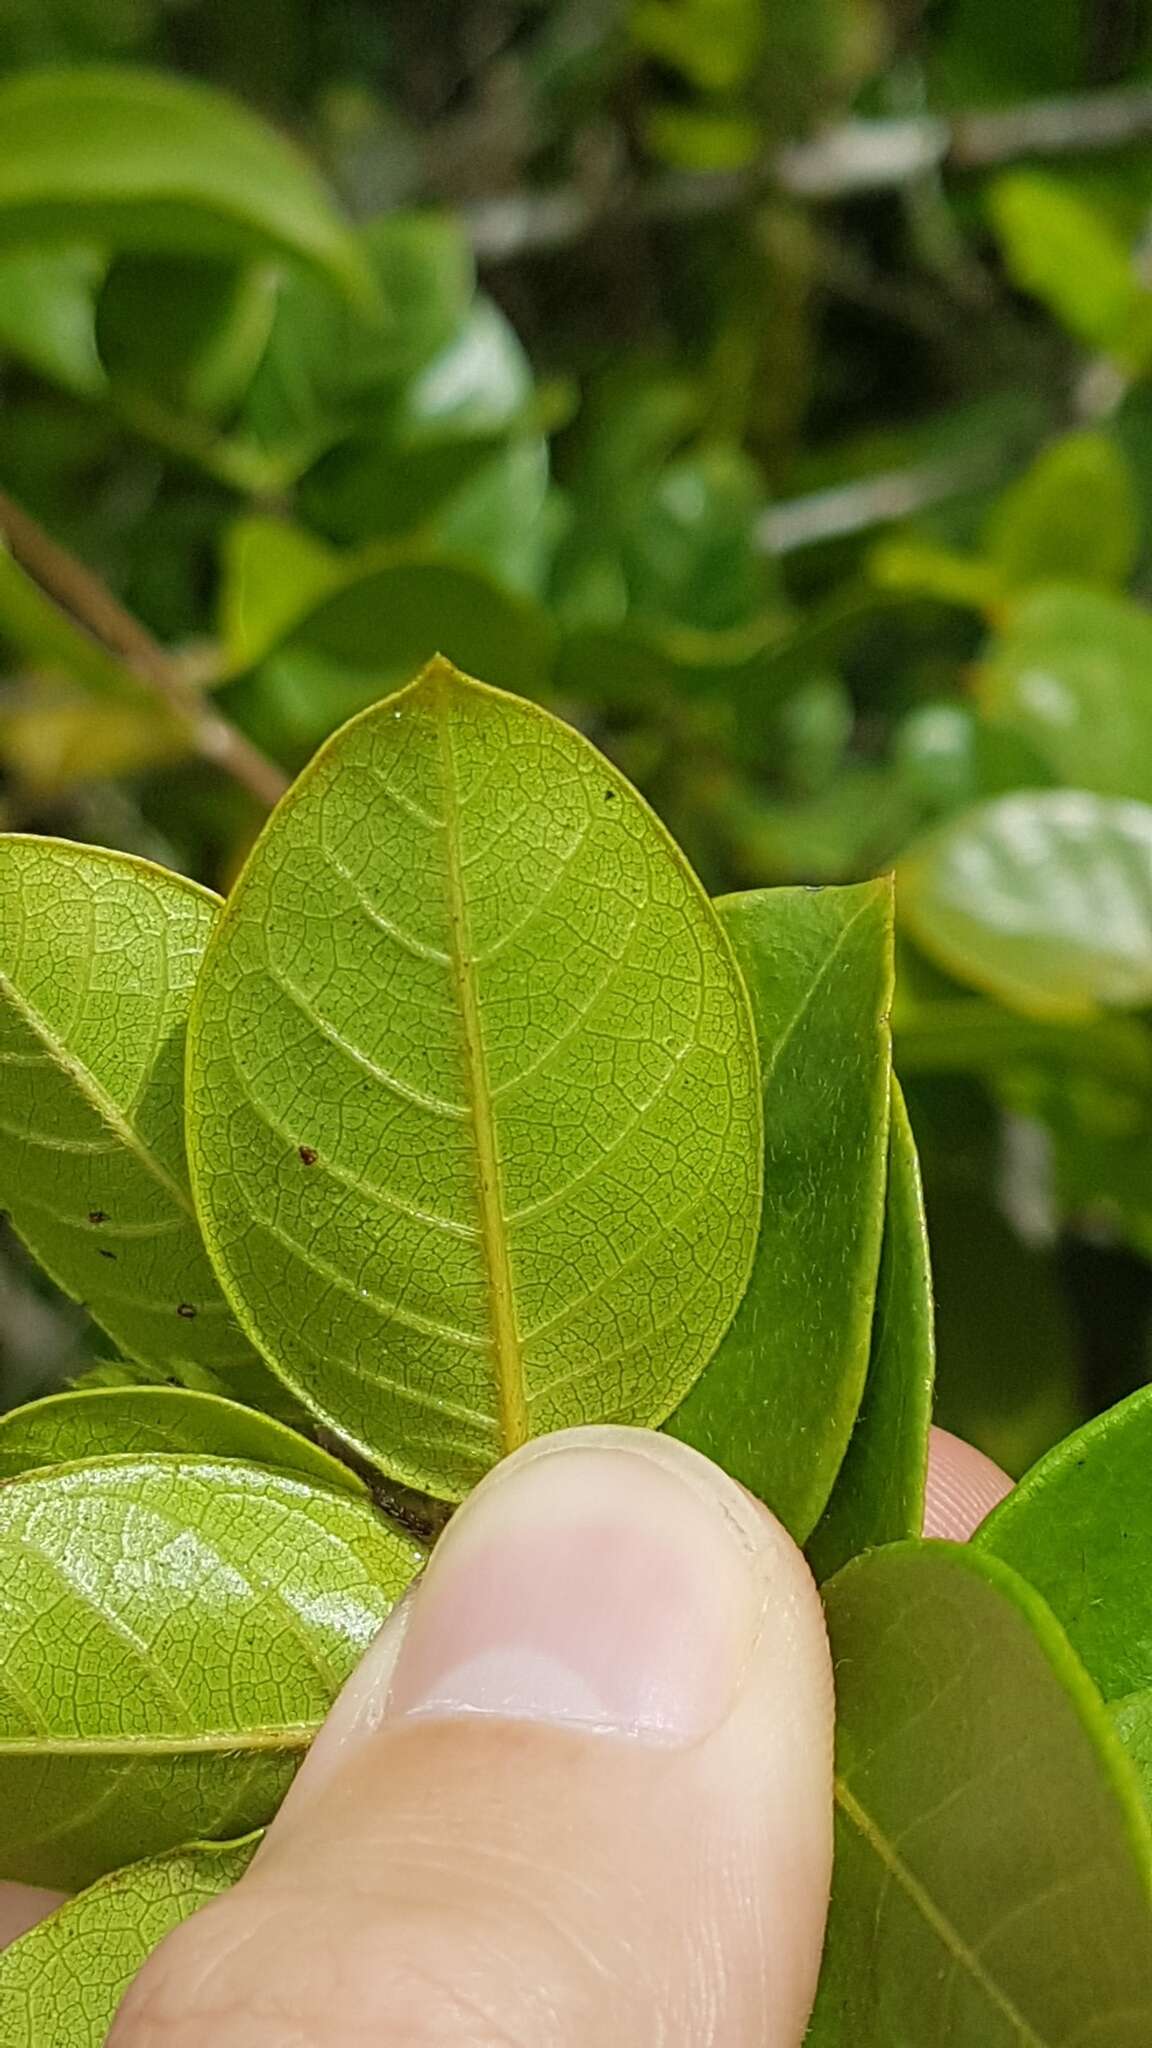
<point>777,1404</point>
<point>1065,250</point>
<point>1043,898</point>
<point>61,1984</point>
<point>173,1630</point>
<point>879,1492</point>
<point>1074,515</point>
<point>474,1118</point>
<point>98,952</point>
<point>100,1422</point>
<point>994,1865</point>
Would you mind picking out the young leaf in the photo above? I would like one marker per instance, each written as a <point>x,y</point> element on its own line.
<point>1079,1529</point>
<point>994,1866</point>
<point>61,1984</point>
<point>138,160</point>
<point>47,314</point>
<point>1043,898</point>
<point>97,955</point>
<point>879,1492</point>
<point>1074,514</point>
<point>100,1422</point>
<point>473,1110</point>
<point>1071,675</point>
<point>777,1404</point>
<point>172,1632</point>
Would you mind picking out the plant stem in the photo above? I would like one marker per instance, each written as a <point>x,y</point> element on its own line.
<point>74,587</point>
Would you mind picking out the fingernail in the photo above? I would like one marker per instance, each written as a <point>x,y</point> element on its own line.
<point>609,1579</point>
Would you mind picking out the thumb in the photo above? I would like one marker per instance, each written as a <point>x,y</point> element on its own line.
<point>579,1793</point>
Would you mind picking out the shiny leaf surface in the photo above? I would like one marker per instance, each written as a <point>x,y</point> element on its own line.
<point>100,1422</point>
<point>172,1632</point>
<point>1071,674</point>
<point>1042,898</point>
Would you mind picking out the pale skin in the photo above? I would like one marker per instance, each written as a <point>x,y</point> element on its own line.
<point>577,1795</point>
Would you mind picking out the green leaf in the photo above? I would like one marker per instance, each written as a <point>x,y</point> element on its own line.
<point>144,161</point>
<point>518,1187</point>
<point>173,1631</point>
<point>63,1982</point>
<point>777,1404</point>
<point>692,556</point>
<point>879,1492</point>
<point>1079,1529</point>
<point>51,640</point>
<point>1041,898</point>
<point>47,314</point>
<point>53,737</point>
<point>1071,674</point>
<point>994,1865</point>
<point>104,1422</point>
<point>273,574</point>
<point>98,952</point>
<point>184,332</point>
<point>1067,252</point>
<point>1073,515</point>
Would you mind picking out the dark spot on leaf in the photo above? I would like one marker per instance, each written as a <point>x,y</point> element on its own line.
<point>185,1309</point>
<point>609,796</point>
<point>104,1252</point>
<point>97,1216</point>
<point>308,1155</point>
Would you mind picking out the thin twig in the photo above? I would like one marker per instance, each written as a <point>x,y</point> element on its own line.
<point>91,605</point>
<point>851,158</point>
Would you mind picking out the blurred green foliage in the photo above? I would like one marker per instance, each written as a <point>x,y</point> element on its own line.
<point>706,369</point>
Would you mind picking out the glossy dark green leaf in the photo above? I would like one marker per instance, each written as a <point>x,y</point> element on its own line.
<point>98,952</point>
<point>61,1984</point>
<point>1079,1528</point>
<point>1074,516</point>
<point>100,1422</point>
<point>1043,898</point>
<point>172,1632</point>
<point>141,160</point>
<point>473,1109</point>
<point>879,1492</point>
<point>777,1404</point>
<point>1071,674</point>
<point>993,1883</point>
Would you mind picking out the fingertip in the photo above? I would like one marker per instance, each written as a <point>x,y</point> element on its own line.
<point>963,1487</point>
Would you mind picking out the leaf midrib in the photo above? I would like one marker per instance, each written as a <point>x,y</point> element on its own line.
<point>506,1347</point>
<point>941,1926</point>
<point>225,1742</point>
<point>95,1094</point>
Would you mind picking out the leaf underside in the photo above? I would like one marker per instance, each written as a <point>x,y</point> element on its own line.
<point>98,952</point>
<point>473,1116</point>
<point>172,1632</point>
<point>61,1984</point>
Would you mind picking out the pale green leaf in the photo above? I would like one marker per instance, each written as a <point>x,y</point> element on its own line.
<point>474,1122</point>
<point>1071,673</point>
<point>52,642</point>
<point>99,1422</point>
<point>98,952</point>
<point>172,1633</point>
<point>879,1492</point>
<point>1065,250</point>
<point>1079,1529</point>
<point>140,160</point>
<point>273,575</point>
<point>777,1404</point>
<point>61,1984</point>
<point>1073,515</point>
<point>1042,898</point>
<point>994,1866</point>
